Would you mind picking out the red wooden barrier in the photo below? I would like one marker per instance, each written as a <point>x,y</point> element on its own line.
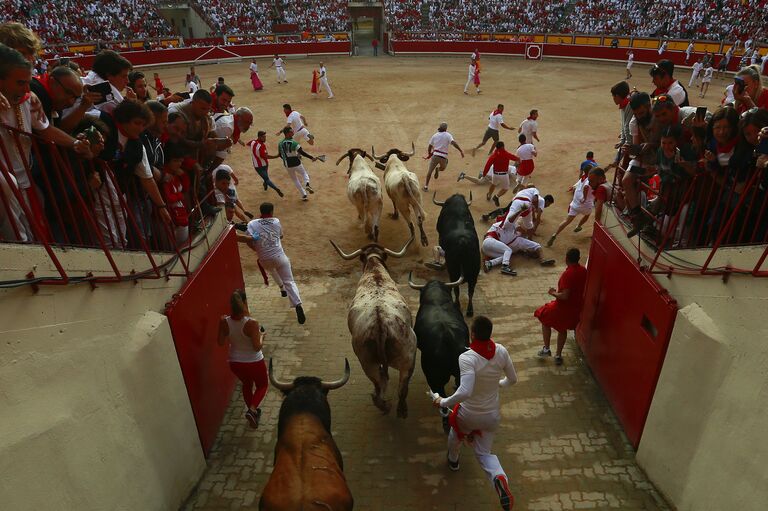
<point>194,318</point>
<point>624,331</point>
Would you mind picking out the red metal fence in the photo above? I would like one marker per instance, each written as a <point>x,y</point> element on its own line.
<point>56,199</point>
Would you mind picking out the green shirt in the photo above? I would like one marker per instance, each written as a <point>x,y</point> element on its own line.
<point>289,152</point>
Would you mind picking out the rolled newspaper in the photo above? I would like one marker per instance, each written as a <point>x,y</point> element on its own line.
<point>321,158</point>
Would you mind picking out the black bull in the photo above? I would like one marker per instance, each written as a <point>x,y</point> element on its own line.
<point>458,239</point>
<point>308,470</point>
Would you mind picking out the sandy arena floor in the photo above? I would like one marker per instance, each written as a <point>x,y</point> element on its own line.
<point>559,441</point>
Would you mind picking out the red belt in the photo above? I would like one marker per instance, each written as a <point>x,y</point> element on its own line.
<point>492,234</point>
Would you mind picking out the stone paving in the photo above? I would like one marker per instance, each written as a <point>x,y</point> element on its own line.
<point>559,441</point>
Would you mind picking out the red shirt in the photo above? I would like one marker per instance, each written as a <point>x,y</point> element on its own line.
<point>601,193</point>
<point>159,86</point>
<point>573,278</point>
<point>499,159</point>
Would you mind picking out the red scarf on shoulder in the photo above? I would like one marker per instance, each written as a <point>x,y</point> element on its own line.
<point>486,349</point>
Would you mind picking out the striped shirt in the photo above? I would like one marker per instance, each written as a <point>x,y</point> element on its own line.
<point>258,154</point>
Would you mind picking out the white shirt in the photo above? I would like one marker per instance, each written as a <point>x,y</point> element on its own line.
<point>697,67</point>
<point>254,67</point>
<point>278,62</point>
<point>677,93</point>
<point>143,170</point>
<point>323,72</point>
<point>256,158</point>
<point>583,195</point>
<point>440,143</point>
<point>689,50</point>
<point>494,121</point>
<point>223,127</point>
<point>522,201</point>
<point>192,86</point>
<point>480,381</point>
<point>294,119</point>
<point>31,122</point>
<point>525,151</point>
<point>630,58</point>
<point>529,127</point>
<point>729,95</point>
<point>266,233</point>
<point>708,73</point>
<point>506,236</point>
<point>472,70</point>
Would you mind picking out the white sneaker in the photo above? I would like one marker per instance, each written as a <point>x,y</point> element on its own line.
<point>544,352</point>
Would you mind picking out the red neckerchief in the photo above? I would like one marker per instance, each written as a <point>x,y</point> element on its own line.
<point>495,112</point>
<point>25,97</point>
<point>164,138</point>
<point>530,118</point>
<point>727,147</point>
<point>265,216</point>
<point>486,349</point>
<point>214,103</point>
<point>624,103</point>
<point>289,113</point>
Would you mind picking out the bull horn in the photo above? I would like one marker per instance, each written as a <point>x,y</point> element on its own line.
<point>457,283</point>
<point>401,253</point>
<point>333,385</point>
<point>373,152</point>
<point>366,155</point>
<point>346,256</point>
<point>345,155</point>
<point>279,385</point>
<point>412,284</point>
<point>437,202</point>
<point>413,149</point>
<point>470,199</point>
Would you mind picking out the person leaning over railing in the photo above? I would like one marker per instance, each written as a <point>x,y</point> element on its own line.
<point>26,115</point>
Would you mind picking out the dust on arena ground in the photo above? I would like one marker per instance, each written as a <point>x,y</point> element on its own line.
<point>559,442</point>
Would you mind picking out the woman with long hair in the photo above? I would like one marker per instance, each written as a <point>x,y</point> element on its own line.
<point>245,338</point>
<point>748,90</point>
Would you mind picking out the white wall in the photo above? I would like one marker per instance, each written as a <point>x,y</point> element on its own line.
<point>703,445</point>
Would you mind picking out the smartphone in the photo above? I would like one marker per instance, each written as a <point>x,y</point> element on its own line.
<point>739,84</point>
<point>701,112</point>
<point>103,88</point>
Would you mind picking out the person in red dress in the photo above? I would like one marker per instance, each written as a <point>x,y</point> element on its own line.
<point>562,313</point>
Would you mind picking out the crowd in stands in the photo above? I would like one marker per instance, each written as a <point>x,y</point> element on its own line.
<point>316,15</point>
<point>237,17</point>
<point>128,164</point>
<point>63,21</point>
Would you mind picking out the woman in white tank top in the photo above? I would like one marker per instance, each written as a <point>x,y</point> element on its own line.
<point>246,360</point>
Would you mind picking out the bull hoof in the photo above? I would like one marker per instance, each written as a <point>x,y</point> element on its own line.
<point>394,216</point>
<point>381,404</point>
<point>402,411</point>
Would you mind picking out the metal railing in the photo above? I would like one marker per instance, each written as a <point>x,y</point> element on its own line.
<point>70,202</point>
<point>709,211</point>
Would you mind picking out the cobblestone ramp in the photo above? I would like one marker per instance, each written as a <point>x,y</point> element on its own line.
<point>559,441</point>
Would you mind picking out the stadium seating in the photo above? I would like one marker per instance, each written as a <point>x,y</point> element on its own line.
<point>62,21</point>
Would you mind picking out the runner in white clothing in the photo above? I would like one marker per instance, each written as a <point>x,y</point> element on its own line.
<point>471,77</point>
<point>279,64</point>
<point>630,61</point>
<point>696,73</point>
<point>264,235</point>
<point>485,367</point>
<point>437,152</point>
<point>495,122</point>
<point>298,123</point>
<point>530,127</point>
<point>499,244</point>
<point>324,80</point>
<point>582,204</point>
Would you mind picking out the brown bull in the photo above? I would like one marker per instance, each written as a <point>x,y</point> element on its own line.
<point>309,472</point>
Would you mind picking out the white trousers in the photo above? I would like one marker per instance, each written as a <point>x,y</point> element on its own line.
<point>280,269</point>
<point>281,74</point>
<point>500,181</point>
<point>470,81</point>
<point>486,423</point>
<point>500,253</point>
<point>299,176</point>
<point>694,78</point>
<point>303,133</point>
<point>324,83</point>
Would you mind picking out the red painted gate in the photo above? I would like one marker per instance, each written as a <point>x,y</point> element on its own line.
<point>624,331</point>
<point>194,317</point>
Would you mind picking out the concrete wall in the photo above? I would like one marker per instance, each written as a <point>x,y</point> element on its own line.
<point>94,413</point>
<point>703,443</point>
<point>186,21</point>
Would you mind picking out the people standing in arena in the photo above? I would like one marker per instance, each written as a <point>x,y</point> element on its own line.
<point>437,152</point>
<point>324,80</point>
<point>246,339</point>
<point>698,66</point>
<point>563,313</point>
<point>706,80</point>
<point>473,73</point>
<point>495,123</point>
<point>265,236</point>
<point>530,127</point>
<point>279,64</point>
<point>475,415</point>
<point>630,61</point>
<point>255,80</point>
